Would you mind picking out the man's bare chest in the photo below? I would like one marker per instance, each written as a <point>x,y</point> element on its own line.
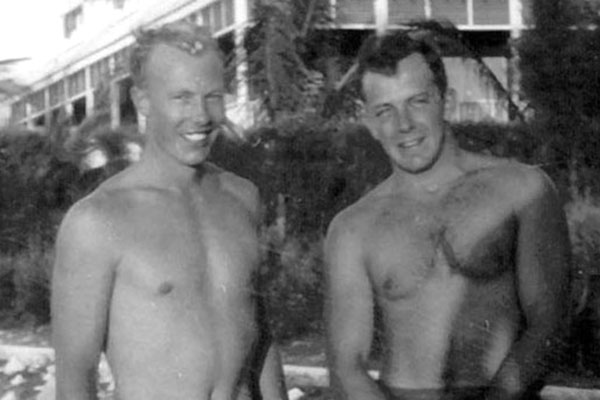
<point>178,250</point>
<point>466,233</point>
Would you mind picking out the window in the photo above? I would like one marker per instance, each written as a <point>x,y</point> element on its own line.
<point>355,12</point>
<point>122,61</point>
<point>229,13</point>
<point>218,15</point>
<point>126,107</point>
<point>18,111</point>
<point>454,11</point>
<point>37,101</point>
<point>76,83</point>
<point>402,11</point>
<point>487,12</point>
<point>72,20</point>
<point>39,122</point>
<point>57,116</point>
<point>194,18</point>
<point>227,45</point>
<point>57,93</point>
<point>206,16</point>
<point>79,108</point>
<point>99,72</point>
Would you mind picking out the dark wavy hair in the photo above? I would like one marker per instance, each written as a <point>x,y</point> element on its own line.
<point>381,54</point>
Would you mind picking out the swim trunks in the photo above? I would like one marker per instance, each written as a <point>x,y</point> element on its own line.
<point>467,393</point>
<point>462,393</point>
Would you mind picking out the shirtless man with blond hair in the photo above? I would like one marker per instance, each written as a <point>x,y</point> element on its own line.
<point>466,255</point>
<point>156,267</point>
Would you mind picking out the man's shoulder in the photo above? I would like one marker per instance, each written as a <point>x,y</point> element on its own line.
<point>352,220</point>
<point>87,228</point>
<point>93,211</point>
<point>519,182</point>
<point>524,177</point>
<point>100,208</point>
<point>240,188</point>
<point>367,207</point>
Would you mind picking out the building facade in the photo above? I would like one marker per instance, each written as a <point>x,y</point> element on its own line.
<point>91,64</point>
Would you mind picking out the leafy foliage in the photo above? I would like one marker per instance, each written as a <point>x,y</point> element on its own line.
<point>307,170</point>
<point>514,140</point>
<point>318,166</point>
<point>294,64</point>
<point>276,72</point>
<point>561,81</point>
<point>40,180</point>
<point>34,185</point>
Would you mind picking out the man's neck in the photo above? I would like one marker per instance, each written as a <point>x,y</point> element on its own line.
<point>163,171</point>
<point>437,179</point>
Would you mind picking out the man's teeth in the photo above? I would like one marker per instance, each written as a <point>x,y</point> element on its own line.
<point>196,136</point>
<point>410,143</point>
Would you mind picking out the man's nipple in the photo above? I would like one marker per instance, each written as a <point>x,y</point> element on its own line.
<point>165,288</point>
<point>395,289</point>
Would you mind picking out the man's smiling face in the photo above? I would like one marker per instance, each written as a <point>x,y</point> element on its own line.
<point>184,102</point>
<point>405,113</point>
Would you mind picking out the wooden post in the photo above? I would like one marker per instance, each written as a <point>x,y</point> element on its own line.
<point>115,105</point>
<point>381,15</point>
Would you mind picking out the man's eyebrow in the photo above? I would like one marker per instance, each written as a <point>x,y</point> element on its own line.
<point>381,105</point>
<point>181,91</point>
<point>215,92</point>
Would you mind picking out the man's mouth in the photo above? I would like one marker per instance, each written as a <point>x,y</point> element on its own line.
<point>198,136</point>
<point>407,144</point>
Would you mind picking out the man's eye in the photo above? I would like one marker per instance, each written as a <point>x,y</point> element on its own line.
<point>182,96</point>
<point>214,98</point>
<point>420,101</point>
<point>382,112</point>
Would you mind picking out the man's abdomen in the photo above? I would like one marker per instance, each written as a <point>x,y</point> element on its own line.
<point>164,347</point>
<point>452,334</point>
<point>483,332</point>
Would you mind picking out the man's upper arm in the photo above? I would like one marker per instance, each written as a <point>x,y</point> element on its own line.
<point>245,192</point>
<point>349,297</point>
<point>543,254</point>
<point>81,289</point>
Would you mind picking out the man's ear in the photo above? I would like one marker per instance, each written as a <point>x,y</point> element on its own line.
<point>369,122</point>
<point>140,99</point>
<point>450,104</point>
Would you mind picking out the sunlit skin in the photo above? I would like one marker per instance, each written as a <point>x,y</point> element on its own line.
<point>466,256</point>
<point>183,104</point>
<point>156,266</point>
<point>406,115</point>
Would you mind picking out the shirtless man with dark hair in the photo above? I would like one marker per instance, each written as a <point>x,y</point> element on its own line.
<point>155,268</point>
<point>467,256</point>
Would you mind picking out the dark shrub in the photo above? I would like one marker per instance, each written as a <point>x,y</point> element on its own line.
<point>40,180</point>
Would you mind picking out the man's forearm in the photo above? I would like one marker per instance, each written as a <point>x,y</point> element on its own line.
<point>75,386</point>
<point>355,384</point>
<point>272,380</point>
<point>528,361</point>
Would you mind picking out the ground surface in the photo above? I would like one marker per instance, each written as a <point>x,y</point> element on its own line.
<point>31,376</point>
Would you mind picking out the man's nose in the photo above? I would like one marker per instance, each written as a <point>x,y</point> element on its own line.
<point>404,119</point>
<point>197,112</point>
